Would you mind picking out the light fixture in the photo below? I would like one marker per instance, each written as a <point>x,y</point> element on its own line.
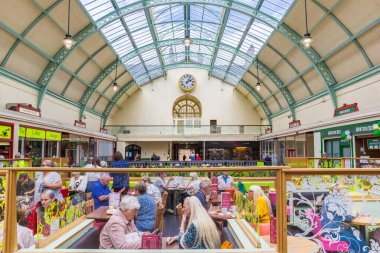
<point>68,41</point>
<point>307,40</point>
<point>115,86</point>
<point>258,84</point>
<point>187,41</point>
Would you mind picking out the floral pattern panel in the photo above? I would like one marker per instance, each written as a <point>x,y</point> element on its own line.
<point>339,213</point>
<point>2,205</point>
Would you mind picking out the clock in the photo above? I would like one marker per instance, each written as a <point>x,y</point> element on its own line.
<point>187,82</point>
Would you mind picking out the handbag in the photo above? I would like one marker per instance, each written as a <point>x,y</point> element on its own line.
<point>83,185</point>
<point>151,241</point>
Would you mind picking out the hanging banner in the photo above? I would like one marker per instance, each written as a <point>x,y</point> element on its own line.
<point>360,128</point>
<point>53,136</point>
<point>5,132</point>
<point>21,131</point>
<point>35,133</point>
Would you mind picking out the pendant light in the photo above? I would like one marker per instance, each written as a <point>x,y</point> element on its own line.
<point>68,41</point>
<point>187,41</point>
<point>258,84</point>
<point>115,86</point>
<point>307,40</point>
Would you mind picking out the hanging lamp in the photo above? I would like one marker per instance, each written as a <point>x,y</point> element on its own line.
<point>187,41</point>
<point>307,40</point>
<point>115,86</point>
<point>68,41</point>
<point>258,84</point>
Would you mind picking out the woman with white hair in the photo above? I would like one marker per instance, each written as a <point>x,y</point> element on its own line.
<point>193,183</point>
<point>201,232</point>
<point>258,205</point>
<point>120,231</point>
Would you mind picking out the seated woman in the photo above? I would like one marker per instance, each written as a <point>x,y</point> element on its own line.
<point>75,181</point>
<point>152,190</point>
<point>201,232</point>
<point>46,200</point>
<point>193,183</point>
<point>120,231</point>
<point>144,220</point>
<point>334,217</point>
<point>257,205</point>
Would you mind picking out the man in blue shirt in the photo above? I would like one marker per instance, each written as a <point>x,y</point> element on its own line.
<point>101,191</point>
<point>204,190</point>
<point>120,180</point>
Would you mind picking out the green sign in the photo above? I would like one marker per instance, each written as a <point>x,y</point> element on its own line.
<point>35,133</point>
<point>21,131</point>
<point>5,132</point>
<point>345,110</point>
<point>54,136</point>
<point>373,144</point>
<point>361,128</point>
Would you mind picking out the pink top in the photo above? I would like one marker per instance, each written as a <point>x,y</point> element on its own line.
<point>113,235</point>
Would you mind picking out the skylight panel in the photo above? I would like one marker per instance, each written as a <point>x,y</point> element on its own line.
<point>98,9</point>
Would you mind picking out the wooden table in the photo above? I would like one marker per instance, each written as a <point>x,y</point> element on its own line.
<point>174,245</point>
<point>296,244</point>
<point>365,220</point>
<point>100,214</point>
<point>217,216</point>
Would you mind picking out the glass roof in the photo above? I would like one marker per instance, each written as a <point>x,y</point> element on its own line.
<point>161,27</point>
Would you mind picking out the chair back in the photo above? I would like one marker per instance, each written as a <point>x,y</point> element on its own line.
<point>88,196</point>
<point>159,219</point>
<point>179,212</point>
<point>164,198</point>
<point>272,197</point>
<point>89,206</point>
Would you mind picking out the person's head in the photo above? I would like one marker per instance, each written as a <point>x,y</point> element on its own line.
<point>255,192</point>
<point>103,164</point>
<point>147,180</point>
<point>47,163</point>
<point>224,173</point>
<point>75,174</point>
<point>193,175</point>
<point>105,178</point>
<point>162,174</point>
<point>91,161</point>
<point>17,155</point>
<point>22,177</point>
<point>47,197</point>
<point>206,229</point>
<point>21,211</point>
<point>324,154</point>
<point>140,188</point>
<point>97,162</point>
<point>118,156</point>
<point>129,206</point>
<point>205,187</point>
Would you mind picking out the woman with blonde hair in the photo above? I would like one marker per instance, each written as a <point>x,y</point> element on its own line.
<point>201,232</point>
<point>258,205</point>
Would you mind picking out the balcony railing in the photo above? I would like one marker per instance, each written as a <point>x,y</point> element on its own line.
<point>186,130</point>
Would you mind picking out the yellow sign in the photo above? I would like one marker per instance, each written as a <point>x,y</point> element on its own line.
<point>54,136</point>
<point>35,133</point>
<point>21,131</point>
<point>5,132</point>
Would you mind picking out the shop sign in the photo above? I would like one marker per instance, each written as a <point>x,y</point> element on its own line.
<point>346,109</point>
<point>54,136</point>
<point>21,131</point>
<point>361,128</point>
<point>28,109</point>
<point>35,133</point>
<point>79,123</point>
<point>373,144</point>
<point>5,132</point>
<point>294,123</point>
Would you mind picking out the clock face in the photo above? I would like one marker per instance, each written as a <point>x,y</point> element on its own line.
<point>187,82</point>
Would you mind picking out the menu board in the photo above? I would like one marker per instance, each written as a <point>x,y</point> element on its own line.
<point>114,199</point>
<point>226,199</point>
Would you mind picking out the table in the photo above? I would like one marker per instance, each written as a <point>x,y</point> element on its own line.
<point>174,245</point>
<point>216,216</point>
<point>296,244</point>
<point>174,192</point>
<point>365,220</point>
<point>100,214</point>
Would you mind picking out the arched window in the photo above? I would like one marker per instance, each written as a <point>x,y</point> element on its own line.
<point>187,106</point>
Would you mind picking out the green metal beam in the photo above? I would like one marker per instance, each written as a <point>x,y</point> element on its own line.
<point>185,65</point>
<point>346,30</point>
<point>28,29</point>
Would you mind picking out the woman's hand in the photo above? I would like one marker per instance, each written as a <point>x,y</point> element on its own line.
<point>171,240</point>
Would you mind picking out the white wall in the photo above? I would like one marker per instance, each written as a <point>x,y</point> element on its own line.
<point>52,108</point>
<point>152,104</point>
<point>365,93</point>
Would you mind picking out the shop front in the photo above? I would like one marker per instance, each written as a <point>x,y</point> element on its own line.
<point>6,140</point>
<point>76,148</point>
